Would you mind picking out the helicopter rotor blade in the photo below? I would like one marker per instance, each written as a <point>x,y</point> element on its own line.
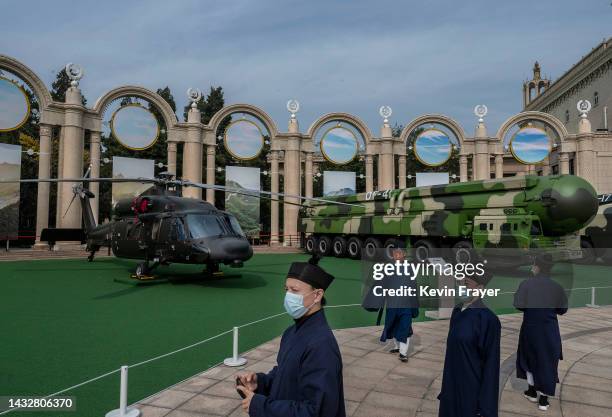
<point>69,205</point>
<point>56,180</point>
<point>269,193</point>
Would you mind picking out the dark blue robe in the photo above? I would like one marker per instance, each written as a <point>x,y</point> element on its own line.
<point>399,310</point>
<point>308,378</point>
<point>539,348</point>
<point>470,380</point>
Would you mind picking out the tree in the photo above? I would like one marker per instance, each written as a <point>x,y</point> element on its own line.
<point>60,86</point>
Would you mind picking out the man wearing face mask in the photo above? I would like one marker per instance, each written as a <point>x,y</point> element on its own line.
<point>470,379</point>
<point>539,349</point>
<point>307,381</point>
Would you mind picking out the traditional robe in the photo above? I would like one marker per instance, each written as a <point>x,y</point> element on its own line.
<point>470,380</point>
<point>307,381</point>
<point>539,348</point>
<point>399,310</point>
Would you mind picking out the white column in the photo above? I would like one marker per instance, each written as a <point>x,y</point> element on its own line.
<point>401,166</point>
<point>44,172</point>
<point>192,154</point>
<point>291,184</point>
<point>172,157</point>
<point>463,168</point>
<point>369,173</point>
<point>94,160</point>
<point>274,212</point>
<point>72,161</point>
<point>210,172</point>
<point>308,175</point>
<point>499,165</point>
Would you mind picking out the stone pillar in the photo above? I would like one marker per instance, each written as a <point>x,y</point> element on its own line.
<point>192,154</point>
<point>72,161</point>
<point>44,172</point>
<point>274,232</point>
<point>308,175</point>
<point>94,161</point>
<point>210,172</point>
<point>563,163</point>
<point>401,166</point>
<point>546,166</point>
<point>499,165</point>
<point>60,174</point>
<point>385,159</point>
<point>463,168</point>
<point>482,162</point>
<point>292,184</point>
<point>369,173</point>
<point>585,153</point>
<point>172,157</point>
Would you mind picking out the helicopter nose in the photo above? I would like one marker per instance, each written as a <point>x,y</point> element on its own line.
<point>229,249</point>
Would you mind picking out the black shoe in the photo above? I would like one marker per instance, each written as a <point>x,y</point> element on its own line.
<point>394,350</point>
<point>531,394</point>
<point>403,358</point>
<point>543,403</point>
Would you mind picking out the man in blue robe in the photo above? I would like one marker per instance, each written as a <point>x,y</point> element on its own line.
<point>400,310</point>
<point>539,349</point>
<point>307,381</point>
<point>470,380</point>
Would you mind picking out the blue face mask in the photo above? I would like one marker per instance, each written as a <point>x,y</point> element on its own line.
<point>294,304</point>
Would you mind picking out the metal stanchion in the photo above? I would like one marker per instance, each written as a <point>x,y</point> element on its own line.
<point>235,360</point>
<point>592,303</point>
<point>123,410</point>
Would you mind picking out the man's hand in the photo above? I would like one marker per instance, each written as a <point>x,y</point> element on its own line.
<point>246,403</point>
<point>249,380</point>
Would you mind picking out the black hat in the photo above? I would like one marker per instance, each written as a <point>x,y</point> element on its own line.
<point>310,273</point>
<point>544,261</point>
<point>482,279</point>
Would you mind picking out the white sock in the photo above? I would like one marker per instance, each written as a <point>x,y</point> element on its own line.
<point>397,346</point>
<point>530,378</point>
<point>404,347</point>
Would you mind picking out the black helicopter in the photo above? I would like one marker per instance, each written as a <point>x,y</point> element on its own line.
<point>160,227</point>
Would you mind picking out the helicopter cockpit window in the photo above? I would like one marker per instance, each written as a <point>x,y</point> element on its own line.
<point>177,231</point>
<point>204,225</point>
<point>235,225</point>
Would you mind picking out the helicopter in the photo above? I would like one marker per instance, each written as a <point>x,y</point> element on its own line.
<point>159,227</point>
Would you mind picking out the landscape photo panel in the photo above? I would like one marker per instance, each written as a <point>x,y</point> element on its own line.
<point>337,183</point>
<point>131,168</point>
<point>10,169</point>
<point>244,207</point>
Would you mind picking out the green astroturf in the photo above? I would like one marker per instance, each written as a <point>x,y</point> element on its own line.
<point>66,321</point>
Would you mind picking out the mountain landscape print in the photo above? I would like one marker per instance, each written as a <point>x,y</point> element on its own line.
<point>10,168</point>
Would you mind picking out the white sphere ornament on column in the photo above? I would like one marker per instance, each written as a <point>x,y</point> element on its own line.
<point>75,73</point>
<point>481,111</point>
<point>584,107</point>
<point>293,106</point>
<point>194,95</point>
<point>385,112</point>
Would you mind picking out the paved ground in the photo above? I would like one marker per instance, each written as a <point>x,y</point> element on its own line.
<point>377,384</point>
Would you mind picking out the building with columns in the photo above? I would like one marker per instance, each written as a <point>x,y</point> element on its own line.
<point>295,154</point>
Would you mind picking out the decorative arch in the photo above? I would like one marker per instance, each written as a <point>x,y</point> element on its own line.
<point>555,123</point>
<point>254,111</point>
<point>434,118</point>
<point>30,78</point>
<point>129,90</point>
<point>343,117</point>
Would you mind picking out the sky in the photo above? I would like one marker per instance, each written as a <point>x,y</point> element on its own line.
<point>435,56</point>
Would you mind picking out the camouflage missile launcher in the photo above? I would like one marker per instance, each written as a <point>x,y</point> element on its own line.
<point>596,237</point>
<point>518,213</point>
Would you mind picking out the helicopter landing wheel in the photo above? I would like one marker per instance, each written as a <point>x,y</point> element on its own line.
<point>142,270</point>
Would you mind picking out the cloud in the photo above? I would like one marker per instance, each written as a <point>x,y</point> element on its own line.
<point>333,56</point>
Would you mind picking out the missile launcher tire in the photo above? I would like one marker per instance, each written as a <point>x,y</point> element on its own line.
<point>370,247</point>
<point>391,244</point>
<point>311,245</point>
<point>424,249</point>
<point>339,246</point>
<point>462,252</point>
<point>325,246</point>
<point>353,248</point>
